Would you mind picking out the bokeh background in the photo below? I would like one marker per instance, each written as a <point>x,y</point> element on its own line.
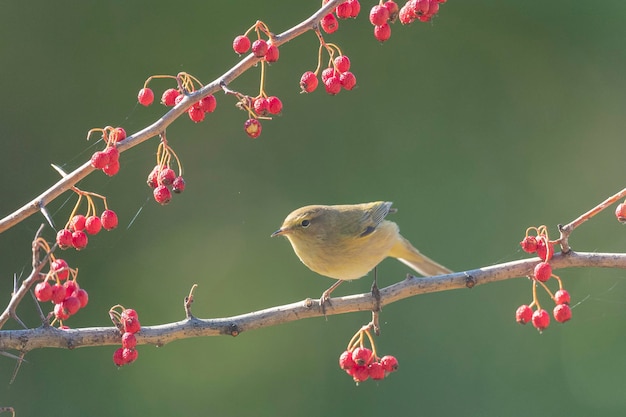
<point>496,116</point>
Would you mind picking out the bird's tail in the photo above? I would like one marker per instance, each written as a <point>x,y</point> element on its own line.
<point>407,254</point>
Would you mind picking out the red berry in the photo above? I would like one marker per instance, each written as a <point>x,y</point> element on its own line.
<point>272,53</point>
<point>259,48</point>
<point>356,7</point>
<point>529,244</point>
<point>379,15</point>
<point>64,238</point>
<point>241,44</point>
<point>82,296</point>
<point>392,8</point>
<point>252,127</point>
<point>99,159</point>
<point>129,313</point>
<point>542,272</point>
<point>179,99</point>
<point>162,195</point>
<point>118,358</point>
<point>108,219</point>
<point>113,153</point>
<point>274,105</point>
<point>308,82</point>
<point>375,371</point>
<point>60,268</point>
<point>129,355</point>
<point>43,291</point>
<point>561,297</point>
<point>118,134</point>
<point>344,10</point>
<point>93,225</point>
<point>166,176</point>
<point>333,85</point>
<point>345,360</point>
<point>523,314</point>
<point>169,97</point>
<point>132,325</point>
<point>260,105</point>
<point>178,185</point>
<point>79,240</point>
<point>541,319</point>
<point>362,356</point>
<point>129,341</point>
<point>420,7</point>
<point>60,312</point>
<point>382,32</point>
<point>77,222</point>
<point>71,305</point>
<point>329,23</point>
<point>153,177</point>
<point>329,73</point>
<point>70,287</point>
<point>389,363</point>
<point>208,104</point>
<point>58,293</point>
<point>407,14</point>
<point>620,212</point>
<point>112,168</point>
<point>562,313</point>
<point>545,250</point>
<point>342,63</point>
<point>347,80</point>
<point>145,97</point>
<point>196,113</point>
<point>360,373</point>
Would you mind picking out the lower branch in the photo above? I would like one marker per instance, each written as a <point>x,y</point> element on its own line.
<point>50,337</point>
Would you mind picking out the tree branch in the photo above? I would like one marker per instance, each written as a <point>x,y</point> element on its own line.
<point>72,178</point>
<point>50,337</point>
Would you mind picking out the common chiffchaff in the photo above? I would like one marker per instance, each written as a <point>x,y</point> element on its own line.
<point>345,242</point>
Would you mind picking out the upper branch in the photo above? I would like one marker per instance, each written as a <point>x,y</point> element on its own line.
<point>167,119</point>
<point>47,336</point>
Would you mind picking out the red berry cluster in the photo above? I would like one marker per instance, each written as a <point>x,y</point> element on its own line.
<point>620,212</point>
<point>335,76</point>
<point>187,83</point>
<point>540,244</point>
<point>346,10</point>
<point>380,16</point>
<point>61,288</point>
<point>127,321</point>
<point>108,160</point>
<point>422,10</point>
<point>164,179</point>
<point>262,106</point>
<point>362,363</point>
<point>74,234</point>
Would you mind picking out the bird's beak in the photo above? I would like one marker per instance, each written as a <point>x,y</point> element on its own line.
<point>279,232</point>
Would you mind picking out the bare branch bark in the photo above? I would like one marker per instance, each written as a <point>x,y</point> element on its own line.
<point>50,337</point>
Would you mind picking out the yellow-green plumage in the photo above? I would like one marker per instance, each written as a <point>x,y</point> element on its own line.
<point>345,242</point>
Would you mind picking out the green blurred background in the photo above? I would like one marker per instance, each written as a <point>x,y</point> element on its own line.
<point>496,116</point>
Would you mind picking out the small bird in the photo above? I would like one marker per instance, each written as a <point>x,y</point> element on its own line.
<point>345,242</point>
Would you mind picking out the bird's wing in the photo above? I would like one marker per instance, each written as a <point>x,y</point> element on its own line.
<point>374,215</point>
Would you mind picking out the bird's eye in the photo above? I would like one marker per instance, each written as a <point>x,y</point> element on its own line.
<point>305,223</point>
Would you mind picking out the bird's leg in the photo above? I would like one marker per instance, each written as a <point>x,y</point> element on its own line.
<point>376,291</point>
<point>326,294</point>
